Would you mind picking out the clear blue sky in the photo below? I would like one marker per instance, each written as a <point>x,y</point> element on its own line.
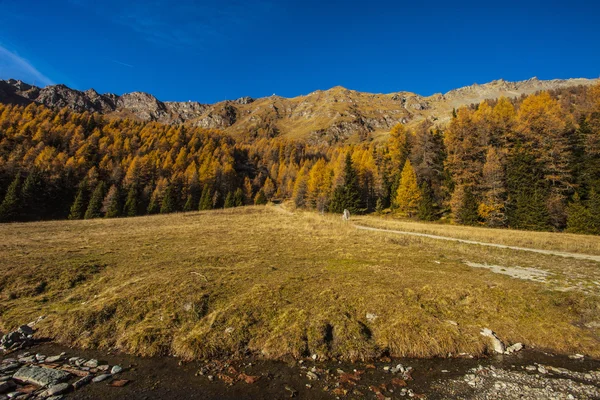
<point>214,50</point>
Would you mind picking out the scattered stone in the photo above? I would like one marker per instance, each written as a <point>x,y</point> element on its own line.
<point>82,382</point>
<point>101,378</point>
<point>293,392</point>
<point>57,389</point>
<point>103,367</point>
<point>576,357</point>
<point>312,376</point>
<point>229,329</point>
<point>514,348</point>
<point>531,368</point>
<point>75,371</point>
<point>118,382</point>
<point>497,344</point>
<point>116,369</point>
<point>210,378</point>
<point>40,376</point>
<point>53,359</point>
<point>449,321</point>
<point>542,370</point>
<point>93,363</point>
<point>371,317</point>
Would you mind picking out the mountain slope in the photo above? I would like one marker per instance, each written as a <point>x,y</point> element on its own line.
<point>333,115</point>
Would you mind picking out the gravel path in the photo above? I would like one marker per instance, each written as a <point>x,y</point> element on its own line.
<point>500,246</point>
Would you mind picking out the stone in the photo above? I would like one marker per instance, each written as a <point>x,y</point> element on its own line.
<point>541,369</point>
<point>40,357</point>
<point>53,359</point>
<point>116,369</point>
<point>25,330</point>
<point>101,378</point>
<point>82,382</point>
<point>9,367</point>
<point>103,367</point>
<point>40,376</point>
<point>371,317</point>
<point>57,389</point>
<point>312,376</point>
<point>93,363</point>
<point>118,382</point>
<point>514,348</point>
<point>497,344</point>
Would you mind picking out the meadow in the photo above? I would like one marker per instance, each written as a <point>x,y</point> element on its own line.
<point>264,281</point>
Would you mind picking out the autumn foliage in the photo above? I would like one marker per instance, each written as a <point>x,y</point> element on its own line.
<point>530,163</point>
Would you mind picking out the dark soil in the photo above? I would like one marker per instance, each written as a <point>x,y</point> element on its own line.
<point>169,378</point>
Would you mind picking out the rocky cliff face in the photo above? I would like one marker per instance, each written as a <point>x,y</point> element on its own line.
<point>333,115</point>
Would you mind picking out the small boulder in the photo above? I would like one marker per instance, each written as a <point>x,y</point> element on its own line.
<point>58,389</point>
<point>40,376</point>
<point>497,344</point>
<point>116,369</point>
<point>101,378</point>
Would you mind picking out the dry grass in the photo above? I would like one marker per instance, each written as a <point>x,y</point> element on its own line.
<point>261,280</point>
<point>585,244</point>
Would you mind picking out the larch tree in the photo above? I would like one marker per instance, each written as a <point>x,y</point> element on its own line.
<point>408,195</point>
<point>492,208</point>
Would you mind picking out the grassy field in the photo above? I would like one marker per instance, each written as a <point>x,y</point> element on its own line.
<point>273,283</point>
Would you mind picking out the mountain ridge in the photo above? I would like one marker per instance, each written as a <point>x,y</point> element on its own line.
<point>332,115</point>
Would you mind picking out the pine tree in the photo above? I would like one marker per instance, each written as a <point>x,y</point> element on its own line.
<point>578,217</point>
<point>347,196</point>
<point>260,198</point>
<point>131,204</point>
<point>189,204</point>
<point>229,201</point>
<point>9,209</point>
<point>78,208</point>
<point>31,198</point>
<point>169,201</point>
<point>594,210</point>
<point>206,199</point>
<point>238,197</point>
<point>111,206</point>
<point>379,205</point>
<point>408,196</point>
<point>94,209</point>
<point>427,207</point>
<point>468,211</point>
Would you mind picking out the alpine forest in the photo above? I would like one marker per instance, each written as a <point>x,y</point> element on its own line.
<point>530,163</point>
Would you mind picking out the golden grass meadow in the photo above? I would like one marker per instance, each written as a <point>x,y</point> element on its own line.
<point>265,281</point>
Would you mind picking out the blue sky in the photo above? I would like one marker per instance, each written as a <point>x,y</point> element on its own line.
<point>209,51</point>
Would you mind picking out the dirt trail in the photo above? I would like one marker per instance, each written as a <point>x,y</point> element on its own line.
<point>500,246</point>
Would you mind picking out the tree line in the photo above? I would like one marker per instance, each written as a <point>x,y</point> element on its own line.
<point>527,163</point>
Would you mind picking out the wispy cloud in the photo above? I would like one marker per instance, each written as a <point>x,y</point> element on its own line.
<point>122,63</point>
<point>14,66</point>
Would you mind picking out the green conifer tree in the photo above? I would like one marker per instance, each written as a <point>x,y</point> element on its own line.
<point>131,203</point>
<point>260,198</point>
<point>468,213</point>
<point>347,195</point>
<point>112,203</point>
<point>206,199</point>
<point>169,201</point>
<point>229,201</point>
<point>578,217</point>
<point>9,209</point>
<point>238,197</point>
<point>427,209</point>
<point>78,207</point>
<point>94,209</point>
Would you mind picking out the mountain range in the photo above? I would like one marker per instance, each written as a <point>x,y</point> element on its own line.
<point>334,115</point>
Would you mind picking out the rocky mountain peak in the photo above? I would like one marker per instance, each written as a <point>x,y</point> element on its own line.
<point>336,114</point>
